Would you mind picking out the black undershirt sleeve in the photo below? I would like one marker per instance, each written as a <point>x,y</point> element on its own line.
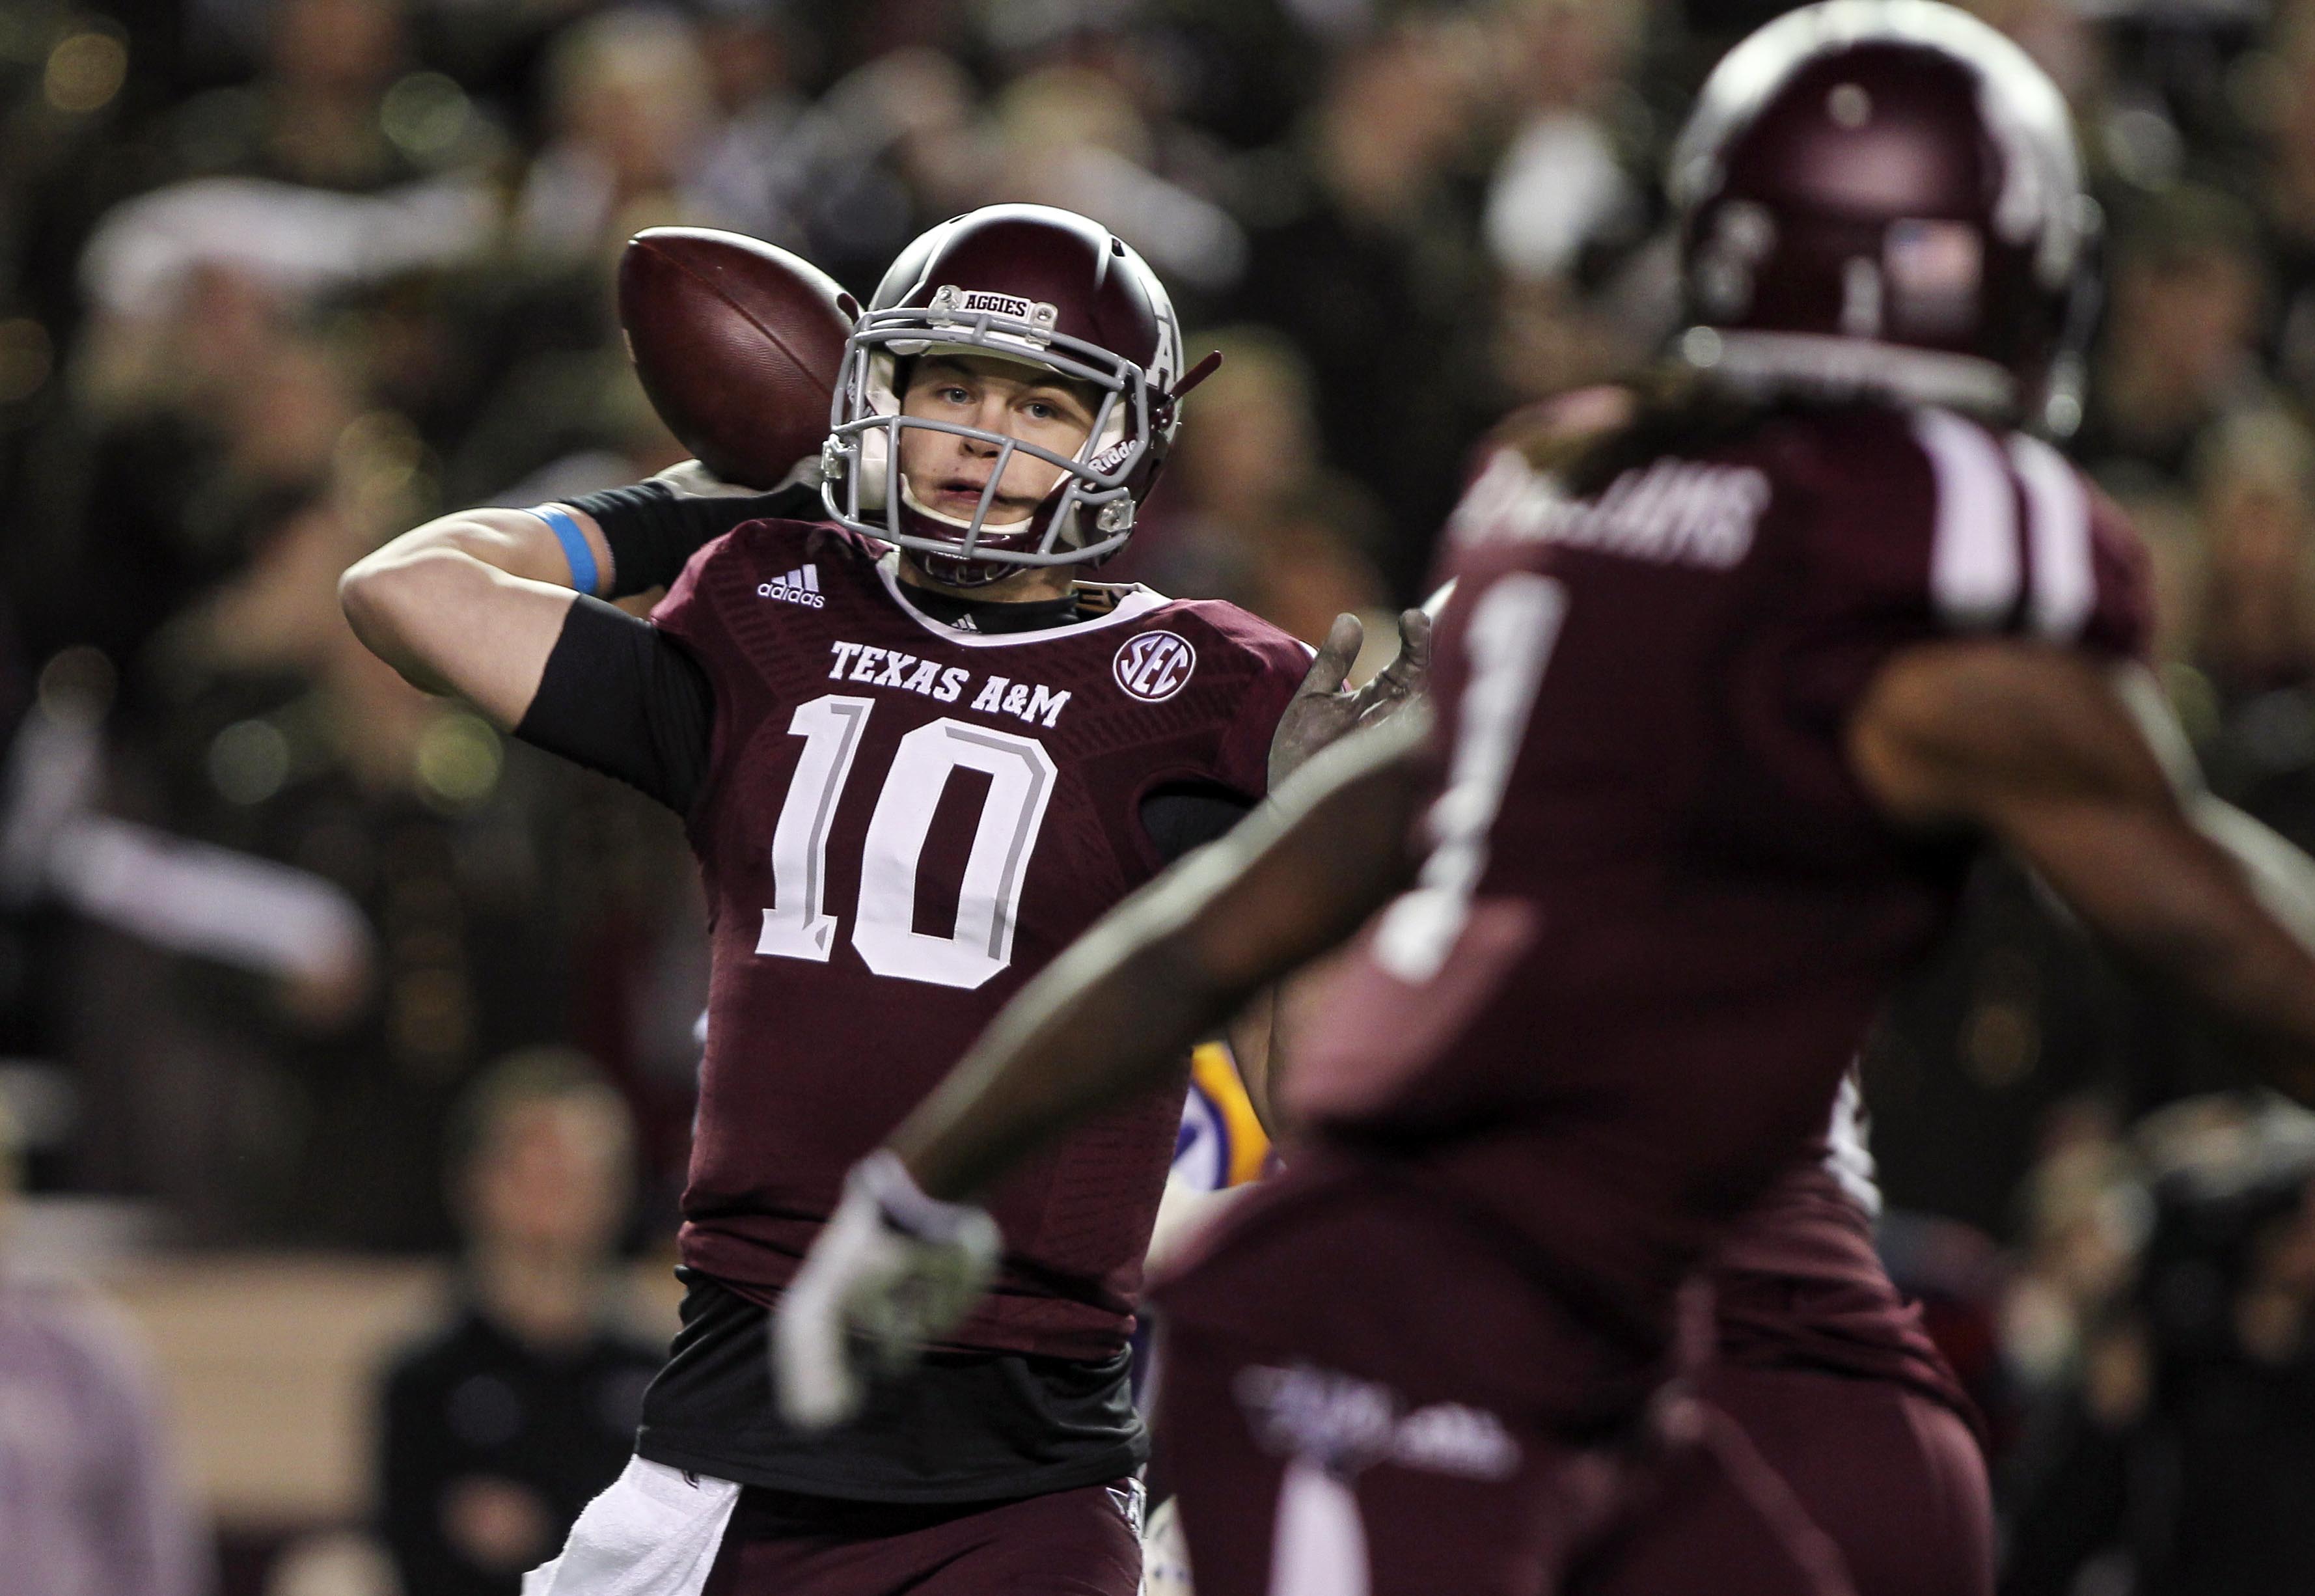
<point>652,531</point>
<point>1188,815</point>
<point>620,696</point>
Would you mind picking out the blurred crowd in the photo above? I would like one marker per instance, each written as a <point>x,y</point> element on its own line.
<point>281,278</point>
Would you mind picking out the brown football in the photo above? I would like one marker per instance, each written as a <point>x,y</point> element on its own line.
<point>738,345</point>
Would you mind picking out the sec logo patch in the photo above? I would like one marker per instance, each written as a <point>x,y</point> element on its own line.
<point>1155,666</point>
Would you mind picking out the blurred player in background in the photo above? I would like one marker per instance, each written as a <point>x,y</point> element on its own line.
<point>1730,694</point>
<point>917,755</point>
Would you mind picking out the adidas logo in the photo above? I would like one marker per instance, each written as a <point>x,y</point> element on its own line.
<point>963,623</point>
<point>800,586</point>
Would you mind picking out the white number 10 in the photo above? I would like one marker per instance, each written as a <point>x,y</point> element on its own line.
<point>799,923</point>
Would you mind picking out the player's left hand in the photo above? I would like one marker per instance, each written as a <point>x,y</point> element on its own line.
<point>1322,710</point>
<point>893,1269</point>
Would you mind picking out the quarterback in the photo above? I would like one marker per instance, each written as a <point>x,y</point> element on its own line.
<point>917,756</point>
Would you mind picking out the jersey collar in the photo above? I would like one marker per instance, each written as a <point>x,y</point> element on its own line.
<point>1135,602</point>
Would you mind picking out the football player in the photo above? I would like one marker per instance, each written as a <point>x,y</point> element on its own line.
<point>1814,1354</point>
<point>1727,700</point>
<point>917,755</point>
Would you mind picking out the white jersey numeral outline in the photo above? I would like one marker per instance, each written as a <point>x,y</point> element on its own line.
<point>798,926</point>
<point>1021,781</point>
<point>1513,628</point>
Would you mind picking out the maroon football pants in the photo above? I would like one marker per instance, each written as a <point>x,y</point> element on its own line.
<point>1070,1543</point>
<point>1705,1514</point>
<point>1341,1391</point>
<point>1892,1474</point>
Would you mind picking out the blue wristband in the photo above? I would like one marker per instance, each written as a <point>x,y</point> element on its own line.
<point>584,573</point>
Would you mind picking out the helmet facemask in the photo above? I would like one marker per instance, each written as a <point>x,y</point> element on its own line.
<point>1088,513</point>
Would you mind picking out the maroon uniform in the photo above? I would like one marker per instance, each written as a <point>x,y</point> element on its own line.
<point>1658,915</point>
<point>1797,1283</point>
<point>1813,1352</point>
<point>902,822</point>
<point>1828,1372</point>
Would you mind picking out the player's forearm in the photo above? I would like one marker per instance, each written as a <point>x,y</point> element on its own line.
<point>2077,771</point>
<point>1105,1021</point>
<point>2189,907</point>
<point>1170,965</point>
<point>2280,877</point>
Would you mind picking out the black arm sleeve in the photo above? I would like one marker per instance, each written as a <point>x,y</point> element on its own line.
<point>1190,815</point>
<point>620,696</point>
<point>652,532</point>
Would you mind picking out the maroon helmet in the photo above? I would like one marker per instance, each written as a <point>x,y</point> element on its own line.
<point>1883,196</point>
<point>1048,288</point>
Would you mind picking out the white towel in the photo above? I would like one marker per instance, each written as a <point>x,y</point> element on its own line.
<point>653,1533</point>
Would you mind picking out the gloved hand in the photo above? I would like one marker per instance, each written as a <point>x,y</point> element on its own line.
<point>892,1270</point>
<point>1323,711</point>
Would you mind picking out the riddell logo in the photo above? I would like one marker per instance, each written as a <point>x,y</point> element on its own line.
<point>800,586</point>
<point>1155,666</point>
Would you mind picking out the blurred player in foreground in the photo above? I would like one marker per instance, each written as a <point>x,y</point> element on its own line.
<point>1728,697</point>
<point>917,755</point>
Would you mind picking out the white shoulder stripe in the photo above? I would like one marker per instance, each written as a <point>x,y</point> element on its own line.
<point>1848,1155</point>
<point>1974,563</point>
<point>2058,524</point>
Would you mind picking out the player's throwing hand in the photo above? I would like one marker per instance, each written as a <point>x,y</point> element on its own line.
<point>893,1269</point>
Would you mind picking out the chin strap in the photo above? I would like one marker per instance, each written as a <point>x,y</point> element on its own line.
<point>1172,399</point>
<point>1196,374</point>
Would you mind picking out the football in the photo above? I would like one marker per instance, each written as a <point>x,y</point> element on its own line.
<point>737,343</point>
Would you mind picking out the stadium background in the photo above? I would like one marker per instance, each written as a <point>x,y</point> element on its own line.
<point>280,278</point>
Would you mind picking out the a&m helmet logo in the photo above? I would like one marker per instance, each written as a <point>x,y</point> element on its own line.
<point>1155,665</point>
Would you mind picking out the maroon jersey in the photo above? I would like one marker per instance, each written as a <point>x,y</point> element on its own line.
<point>1796,1282</point>
<point>1659,913</point>
<point>904,821</point>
